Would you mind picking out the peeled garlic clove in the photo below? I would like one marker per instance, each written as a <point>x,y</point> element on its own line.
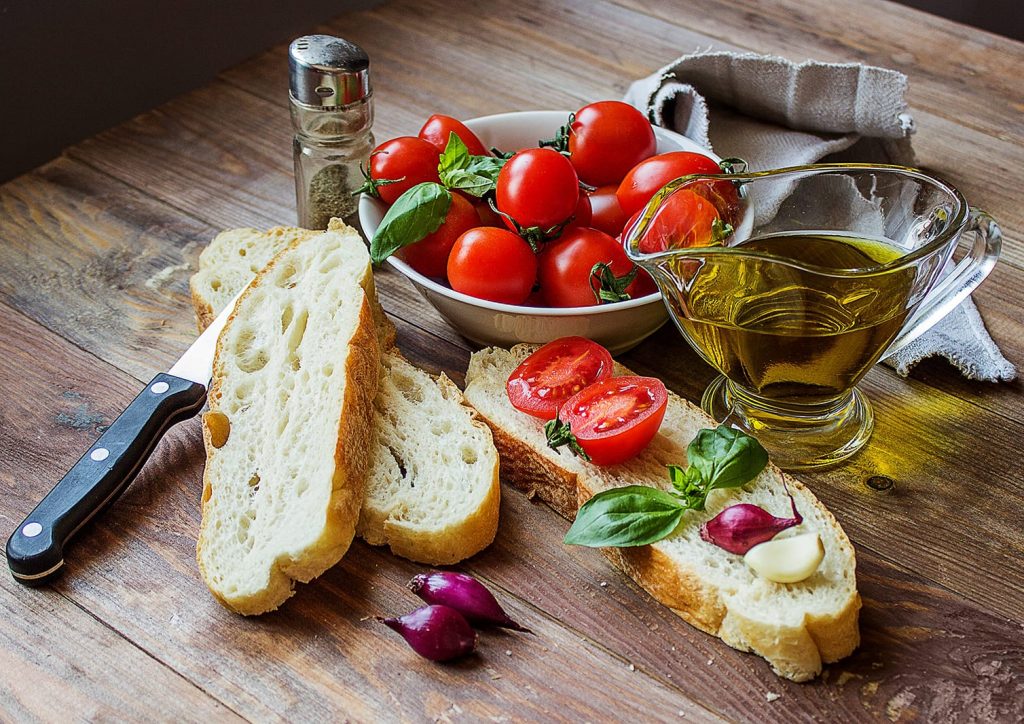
<point>787,560</point>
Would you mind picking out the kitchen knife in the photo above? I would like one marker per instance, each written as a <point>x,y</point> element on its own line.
<point>35,551</point>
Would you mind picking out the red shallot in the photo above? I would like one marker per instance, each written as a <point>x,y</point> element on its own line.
<point>465,594</point>
<point>740,527</point>
<point>438,633</point>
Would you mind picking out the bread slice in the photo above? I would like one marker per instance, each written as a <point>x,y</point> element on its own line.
<point>432,493</point>
<point>794,626</point>
<point>231,261</point>
<point>290,419</point>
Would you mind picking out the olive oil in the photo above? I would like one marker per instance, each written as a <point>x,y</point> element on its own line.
<point>788,333</point>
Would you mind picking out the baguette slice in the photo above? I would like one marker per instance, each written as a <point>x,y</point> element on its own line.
<point>231,261</point>
<point>432,493</point>
<point>291,412</point>
<point>795,626</point>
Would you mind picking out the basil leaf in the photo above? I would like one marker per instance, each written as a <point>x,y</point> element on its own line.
<point>726,457</point>
<point>416,213</point>
<point>454,157</point>
<point>458,169</point>
<point>631,516</point>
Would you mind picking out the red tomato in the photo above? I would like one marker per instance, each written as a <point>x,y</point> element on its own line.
<point>438,128</point>
<point>556,372</point>
<point>607,215</point>
<point>581,216</point>
<point>538,187</point>
<point>410,159</point>
<point>488,216</point>
<point>646,178</point>
<point>429,255</point>
<point>684,219</point>
<point>644,282</point>
<point>564,266</point>
<point>607,139</point>
<point>492,264</point>
<point>613,420</point>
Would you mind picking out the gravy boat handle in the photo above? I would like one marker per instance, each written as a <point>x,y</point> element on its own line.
<point>968,273</point>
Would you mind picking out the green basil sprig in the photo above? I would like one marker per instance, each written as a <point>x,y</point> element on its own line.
<point>415,214</point>
<point>637,515</point>
<point>459,169</point>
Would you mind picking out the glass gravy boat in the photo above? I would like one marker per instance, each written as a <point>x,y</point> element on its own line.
<point>793,283</point>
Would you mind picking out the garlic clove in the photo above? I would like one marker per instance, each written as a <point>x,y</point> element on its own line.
<point>787,560</point>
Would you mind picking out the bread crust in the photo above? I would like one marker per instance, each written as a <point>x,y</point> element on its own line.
<point>355,426</point>
<point>794,652</point>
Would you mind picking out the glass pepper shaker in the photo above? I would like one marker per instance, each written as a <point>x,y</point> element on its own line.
<point>332,112</point>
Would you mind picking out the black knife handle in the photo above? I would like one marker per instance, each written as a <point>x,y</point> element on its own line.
<point>35,551</point>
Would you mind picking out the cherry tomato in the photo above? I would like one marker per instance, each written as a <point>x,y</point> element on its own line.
<point>607,139</point>
<point>614,419</point>
<point>429,255</point>
<point>488,216</point>
<point>438,128</point>
<point>646,178</point>
<point>564,266</point>
<point>492,264</point>
<point>410,159</point>
<point>684,219</point>
<point>556,372</point>
<point>607,215</point>
<point>581,216</point>
<point>538,187</point>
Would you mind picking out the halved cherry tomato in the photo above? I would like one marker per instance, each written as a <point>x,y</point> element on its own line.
<point>438,127</point>
<point>684,219</point>
<point>607,139</point>
<point>606,214</point>
<point>492,264</point>
<point>538,187</point>
<point>412,160</point>
<point>614,419</point>
<point>429,255</point>
<point>647,177</point>
<point>556,372</point>
<point>564,266</point>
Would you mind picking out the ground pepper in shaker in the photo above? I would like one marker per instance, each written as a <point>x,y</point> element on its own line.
<point>332,112</point>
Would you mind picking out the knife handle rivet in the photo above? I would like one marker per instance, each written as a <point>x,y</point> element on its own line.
<point>99,454</point>
<point>159,388</point>
<point>31,530</point>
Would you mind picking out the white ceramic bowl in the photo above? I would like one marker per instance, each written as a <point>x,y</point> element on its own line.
<point>619,326</point>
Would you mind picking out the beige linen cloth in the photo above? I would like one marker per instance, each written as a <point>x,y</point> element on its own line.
<point>773,113</point>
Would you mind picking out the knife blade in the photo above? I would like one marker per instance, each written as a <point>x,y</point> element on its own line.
<point>35,550</point>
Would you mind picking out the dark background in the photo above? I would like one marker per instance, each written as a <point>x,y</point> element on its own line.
<point>69,69</point>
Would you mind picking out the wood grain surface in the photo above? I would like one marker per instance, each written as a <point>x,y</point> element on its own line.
<point>95,252</point>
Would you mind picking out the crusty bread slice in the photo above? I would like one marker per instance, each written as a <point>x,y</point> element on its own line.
<point>231,261</point>
<point>795,626</point>
<point>290,419</point>
<point>235,257</point>
<point>432,492</point>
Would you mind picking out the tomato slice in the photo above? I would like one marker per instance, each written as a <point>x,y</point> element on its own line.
<point>616,418</point>
<point>556,372</point>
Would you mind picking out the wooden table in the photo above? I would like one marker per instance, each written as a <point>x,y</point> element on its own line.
<point>96,252</point>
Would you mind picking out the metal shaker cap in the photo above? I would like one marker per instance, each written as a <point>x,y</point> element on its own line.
<point>326,71</point>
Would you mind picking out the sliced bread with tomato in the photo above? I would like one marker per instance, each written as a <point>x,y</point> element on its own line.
<point>432,490</point>
<point>797,626</point>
